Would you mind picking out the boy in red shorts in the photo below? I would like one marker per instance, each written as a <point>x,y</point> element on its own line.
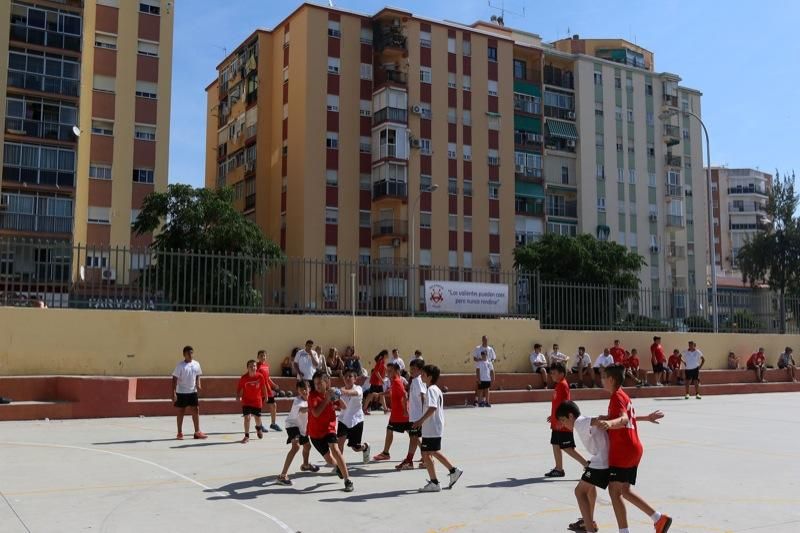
<point>625,453</point>
<point>398,418</point>
<point>322,404</point>
<point>263,367</point>
<point>561,438</point>
<point>251,389</point>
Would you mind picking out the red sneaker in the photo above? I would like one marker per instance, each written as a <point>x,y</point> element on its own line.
<point>180,436</point>
<point>200,435</point>
<point>663,524</point>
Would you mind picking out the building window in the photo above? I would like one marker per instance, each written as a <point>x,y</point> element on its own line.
<point>467,188</point>
<point>451,80</point>
<point>599,140</point>
<point>100,172</point>
<point>452,185</point>
<point>452,222</point>
<point>333,102</point>
<point>425,39</point>
<point>144,133</point>
<point>425,75</point>
<point>466,48</point>
<point>617,82</point>
<point>621,175</point>
<point>520,69</point>
<point>96,260</point>
<point>425,258</point>
<point>630,115</point>
<point>366,35</point>
<point>565,175</point>
<point>648,88</point>
<point>105,40</point>
<point>143,175</point>
<point>618,113</point>
<point>494,226</point>
<point>632,175</point>
<point>601,204</point>
<point>134,215</point>
<point>365,108</point>
<point>103,83</point>
<point>650,117</point>
<point>452,258</point>
<point>467,148</point>
<point>629,85</point>
<point>365,182</point>
<point>425,147</point>
<point>494,190</point>
<point>466,117</point>
<point>601,172</point>
<point>651,179</point>
<point>451,45</point>
<point>334,29</point>
<point>598,78</point>
<point>147,48</point>
<point>331,215</point>
<point>366,71</point>
<point>332,140</point>
<point>425,219</point>
<point>334,64</point>
<point>492,51</point>
<point>451,151</point>
<point>146,89</point>
<point>150,7</point>
<point>492,87</point>
<point>493,158</point>
<point>364,256</point>
<point>467,223</point>
<point>466,82</point>
<point>364,219</point>
<point>330,254</point>
<point>451,115</point>
<point>332,177</point>
<point>103,127</point>
<point>99,215</point>
<point>365,145</point>
<point>425,182</point>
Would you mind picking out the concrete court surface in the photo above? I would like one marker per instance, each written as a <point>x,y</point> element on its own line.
<point>720,464</point>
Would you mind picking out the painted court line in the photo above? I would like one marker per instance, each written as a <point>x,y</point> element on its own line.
<point>268,516</point>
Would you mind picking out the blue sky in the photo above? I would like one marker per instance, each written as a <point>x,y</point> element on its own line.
<point>743,56</point>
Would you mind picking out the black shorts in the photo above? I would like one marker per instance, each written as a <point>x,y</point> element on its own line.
<point>322,444</point>
<point>693,374</point>
<point>399,427</point>
<point>564,439</point>
<point>186,400</point>
<point>622,475</point>
<point>596,476</point>
<point>659,368</point>
<point>483,385</point>
<point>353,434</point>
<point>431,444</point>
<point>250,410</point>
<point>538,368</point>
<point>270,399</point>
<point>781,367</point>
<point>376,389</point>
<point>414,432</point>
<point>294,433</point>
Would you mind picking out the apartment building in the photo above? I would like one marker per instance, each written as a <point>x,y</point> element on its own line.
<point>86,95</point>
<point>394,139</point>
<point>740,198</point>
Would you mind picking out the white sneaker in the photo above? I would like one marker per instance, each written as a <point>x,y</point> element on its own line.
<point>454,477</point>
<point>365,453</point>
<point>431,487</point>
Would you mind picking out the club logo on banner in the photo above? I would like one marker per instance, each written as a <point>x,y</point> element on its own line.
<point>466,298</point>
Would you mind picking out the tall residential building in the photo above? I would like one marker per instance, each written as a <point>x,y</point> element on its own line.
<point>740,206</point>
<point>333,127</point>
<point>86,97</point>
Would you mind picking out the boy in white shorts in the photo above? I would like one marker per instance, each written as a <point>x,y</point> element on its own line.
<point>351,418</point>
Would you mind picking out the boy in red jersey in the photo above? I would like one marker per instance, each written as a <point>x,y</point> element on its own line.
<point>322,404</point>
<point>376,382</point>
<point>674,365</point>
<point>263,367</point>
<point>561,438</point>
<point>757,362</point>
<point>631,364</point>
<point>398,418</point>
<point>625,453</point>
<point>251,389</point>
<point>659,362</point>
<point>617,352</point>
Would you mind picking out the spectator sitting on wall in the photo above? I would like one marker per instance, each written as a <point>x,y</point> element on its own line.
<point>539,363</point>
<point>674,365</point>
<point>287,366</point>
<point>557,357</point>
<point>757,363</point>
<point>786,360</point>
<point>583,367</point>
<point>335,363</point>
<point>603,360</point>
<point>617,352</point>
<point>733,361</point>
<point>631,364</point>
<point>352,362</point>
<point>35,301</point>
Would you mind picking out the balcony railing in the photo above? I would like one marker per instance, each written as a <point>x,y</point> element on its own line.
<point>558,78</point>
<point>675,221</point>
<point>392,189</point>
<point>389,37</point>
<point>568,209</point>
<point>676,252</point>
<point>527,138</point>
<point>390,114</point>
<point>42,37</point>
<point>529,174</point>
<point>42,83</point>
<point>671,100</point>
<point>527,237</point>
<point>559,112</point>
<point>673,190</point>
<point>526,206</point>
<point>35,223</point>
<point>390,228</point>
<point>42,130</point>
<point>753,189</point>
<point>747,207</point>
<point>672,160</point>
<point>527,106</point>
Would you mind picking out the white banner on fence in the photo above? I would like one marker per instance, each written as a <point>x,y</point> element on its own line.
<point>466,298</point>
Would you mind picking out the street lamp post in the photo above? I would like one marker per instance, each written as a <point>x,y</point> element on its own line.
<point>712,248</point>
<point>412,234</point>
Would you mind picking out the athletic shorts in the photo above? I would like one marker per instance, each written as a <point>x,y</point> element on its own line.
<point>186,400</point>
<point>596,476</point>
<point>322,444</point>
<point>693,374</point>
<point>398,427</point>
<point>483,385</point>
<point>353,434</point>
<point>753,367</point>
<point>270,399</point>
<point>622,475</point>
<point>294,433</point>
<point>431,444</point>
<point>564,439</point>
<point>659,368</point>
<point>414,432</point>
<point>250,410</point>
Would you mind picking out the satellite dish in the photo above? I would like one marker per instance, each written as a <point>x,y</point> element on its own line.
<point>76,131</point>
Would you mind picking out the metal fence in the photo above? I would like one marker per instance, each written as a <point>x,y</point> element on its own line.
<point>61,274</point>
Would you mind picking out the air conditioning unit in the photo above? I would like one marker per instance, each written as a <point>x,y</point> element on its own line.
<point>571,143</point>
<point>108,274</point>
<point>396,243</point>
<point>571,115</point>
<point>654,249</point>
<point>416,109</point>
<point>414,142</point>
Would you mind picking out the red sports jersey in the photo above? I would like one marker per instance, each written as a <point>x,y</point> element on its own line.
<point>625,449</point>
<point>251,387</point>
<point>560,395</point>
<point>399,411</point>
<point>618,353</point>
<point>378,373</point>
<point>263,369</point>
<point>325,423</point>
<point>756,359</point>
<point>674,361</point>
<point>657,354</point>
<point>632,362</point>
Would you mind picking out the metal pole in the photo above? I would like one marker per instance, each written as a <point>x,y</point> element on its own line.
<point>411,273</point>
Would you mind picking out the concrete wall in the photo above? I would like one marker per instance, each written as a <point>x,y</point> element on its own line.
<point>131,343</point>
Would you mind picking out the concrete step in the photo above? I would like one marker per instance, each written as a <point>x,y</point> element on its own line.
<point>34,410</point>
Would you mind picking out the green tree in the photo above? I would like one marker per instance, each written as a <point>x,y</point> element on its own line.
<point>773,256</point>
<point>206,255</point>
<point>583,281</point>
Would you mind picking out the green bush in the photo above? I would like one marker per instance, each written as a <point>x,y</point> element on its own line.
<point>698,324</point>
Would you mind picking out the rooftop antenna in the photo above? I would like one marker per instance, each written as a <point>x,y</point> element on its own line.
<point>500,19</point>
<point>224,50</point>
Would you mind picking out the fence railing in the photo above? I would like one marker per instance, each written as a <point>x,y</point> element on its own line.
<point>77,276</point>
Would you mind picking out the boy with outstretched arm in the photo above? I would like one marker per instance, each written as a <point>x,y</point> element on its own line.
<point>561,438</point>
<point>322,403</point>
<point>351,418</point>
<point>296,426</point>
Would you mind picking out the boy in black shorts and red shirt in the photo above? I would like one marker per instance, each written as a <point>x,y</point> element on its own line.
<point>398,418</point>
<point>263,367</point>
<point>625,453</point>
<point>322,403</point>
<point>251,389</point>
<point>561,437</point>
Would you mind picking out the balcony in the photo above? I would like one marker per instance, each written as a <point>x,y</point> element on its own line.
<point>390,38</point>
<point>559,112</point>
<point>528,206</point>
<point>673,190</point>
<point>527,106</point>
<point>750,189</point>
<point>568,210</point>
<point>390,114</point>
<point>44,84</point>
<point>672,134</point>
<point>675,252</point>
<point>389,189</point>
<point>558,78</point>
<point>673,160</point>
<point>41,37</point>
<point>43,130</point>
<point>390,228</point>
<point>747,207</point>
<point>675,221</point>
<point>528,174</point>
<point>35,223</point>
<point>528,138</point>
<point>671,100</point>
<point>526,237</point>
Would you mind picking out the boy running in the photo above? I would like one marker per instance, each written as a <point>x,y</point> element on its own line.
<point>625,453</point>
<point>351,418</point>
<point>416,407</point>
<point>485,376</point>
<point>659,362</point>
<point>251,389</point>
<point>432,426</point>
<point>186,388</point>
<point>296,425</point>
<point>376,382</point>
<point>322,402</point>
<point>561,438</point>
<point>398,417</point>
<point>263,366</point>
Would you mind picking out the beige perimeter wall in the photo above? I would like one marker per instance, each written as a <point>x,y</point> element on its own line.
<point>136,343</point>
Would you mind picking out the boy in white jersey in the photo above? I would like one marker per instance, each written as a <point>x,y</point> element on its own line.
<point>596,474</point>
<point>693,360</point>
<point>351,418</point>
<point>485,375</point>
<point>296,423</point>
<point>416,408</point>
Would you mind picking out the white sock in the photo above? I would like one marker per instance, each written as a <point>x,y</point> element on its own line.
<point>624,530</point>
<point>655,517</point>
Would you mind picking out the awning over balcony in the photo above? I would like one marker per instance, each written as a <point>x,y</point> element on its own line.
<point>528,88</point>
<point>529,124</point>
<point>562,130</point>
<point>530,190</point>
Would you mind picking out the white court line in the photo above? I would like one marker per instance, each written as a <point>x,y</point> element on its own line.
<point>274,519</point>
